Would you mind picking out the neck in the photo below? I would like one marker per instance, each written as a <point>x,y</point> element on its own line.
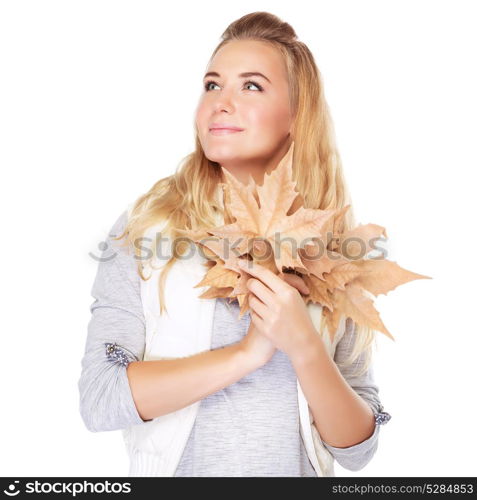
<point>257,168</point>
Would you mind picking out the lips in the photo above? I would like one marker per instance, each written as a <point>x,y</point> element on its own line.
<point>224,131</point>
<point>224,126</point>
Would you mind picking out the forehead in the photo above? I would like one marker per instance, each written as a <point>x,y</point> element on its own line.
<point>239,56</point>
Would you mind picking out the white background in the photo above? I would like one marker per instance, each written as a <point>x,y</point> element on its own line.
<point>97,101</point>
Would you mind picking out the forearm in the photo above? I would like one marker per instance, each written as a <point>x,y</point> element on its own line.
<point>341,416</point>
<point>163,386</point>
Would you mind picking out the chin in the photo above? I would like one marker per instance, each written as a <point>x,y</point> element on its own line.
<point>221,153</point>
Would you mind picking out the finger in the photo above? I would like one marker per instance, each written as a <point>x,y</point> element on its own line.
<point>297,282</point>
<point>263,274</point>
<point>256,320</point>
<point>257,305</point>
<point>256,287</point>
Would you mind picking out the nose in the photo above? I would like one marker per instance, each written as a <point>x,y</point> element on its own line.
<point>224,102</point>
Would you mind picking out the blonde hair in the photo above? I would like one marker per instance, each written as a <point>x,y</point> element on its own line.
<point>186,198</point>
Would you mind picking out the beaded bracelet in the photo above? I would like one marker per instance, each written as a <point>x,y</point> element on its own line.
<point>118,354</point>
<point>382,417</point>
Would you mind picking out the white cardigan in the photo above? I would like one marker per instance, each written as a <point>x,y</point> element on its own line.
<point>155,447</point>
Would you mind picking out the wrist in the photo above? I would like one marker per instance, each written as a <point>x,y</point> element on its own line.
<point>309,350</point>
<point>249,358</point>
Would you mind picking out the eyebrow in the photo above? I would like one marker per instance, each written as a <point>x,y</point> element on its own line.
<point>242,75</point>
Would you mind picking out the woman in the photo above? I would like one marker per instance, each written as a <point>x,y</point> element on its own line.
<point>262,91</point>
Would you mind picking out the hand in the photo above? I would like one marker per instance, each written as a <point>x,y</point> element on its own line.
<point>256,344</point>
<point>296,281</point>
<point>278,310</point>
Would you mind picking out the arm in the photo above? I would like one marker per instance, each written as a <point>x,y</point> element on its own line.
<point>155,384</point>
<point>163,386</point>
<point>116,388</point>
<point>342,417</point>
<point>116,317</point>
<point>344,411</point>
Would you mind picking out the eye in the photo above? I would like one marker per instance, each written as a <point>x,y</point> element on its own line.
<point>256,85</point>
<point>211,82</point>
<point>206,85</point>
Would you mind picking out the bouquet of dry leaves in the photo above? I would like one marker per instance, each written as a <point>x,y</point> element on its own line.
<point>312,243</point>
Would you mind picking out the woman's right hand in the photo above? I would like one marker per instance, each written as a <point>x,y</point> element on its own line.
<point>257,346</point>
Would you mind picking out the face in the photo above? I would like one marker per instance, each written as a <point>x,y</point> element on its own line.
<point>257,105</point>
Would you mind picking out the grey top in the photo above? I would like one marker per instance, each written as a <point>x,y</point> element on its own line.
<point>250,428</point>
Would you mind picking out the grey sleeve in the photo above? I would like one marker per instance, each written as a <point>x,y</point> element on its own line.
<point>116,336</point>
<point>358,456</point>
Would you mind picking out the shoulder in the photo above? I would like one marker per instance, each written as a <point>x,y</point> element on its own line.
<point>120,223</point>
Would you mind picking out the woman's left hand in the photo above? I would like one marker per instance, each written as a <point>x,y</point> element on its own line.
<point>278,310</point>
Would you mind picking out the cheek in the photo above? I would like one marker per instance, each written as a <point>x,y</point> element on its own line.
<point>202,118</point>
<point>259,116</point>
<point>200,115</point>
<point>268,116</point>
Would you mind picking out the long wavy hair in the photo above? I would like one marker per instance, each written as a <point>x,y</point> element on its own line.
<point>186,198</point>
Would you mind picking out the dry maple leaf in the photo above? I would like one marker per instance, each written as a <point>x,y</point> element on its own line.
<point>270,225</point>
